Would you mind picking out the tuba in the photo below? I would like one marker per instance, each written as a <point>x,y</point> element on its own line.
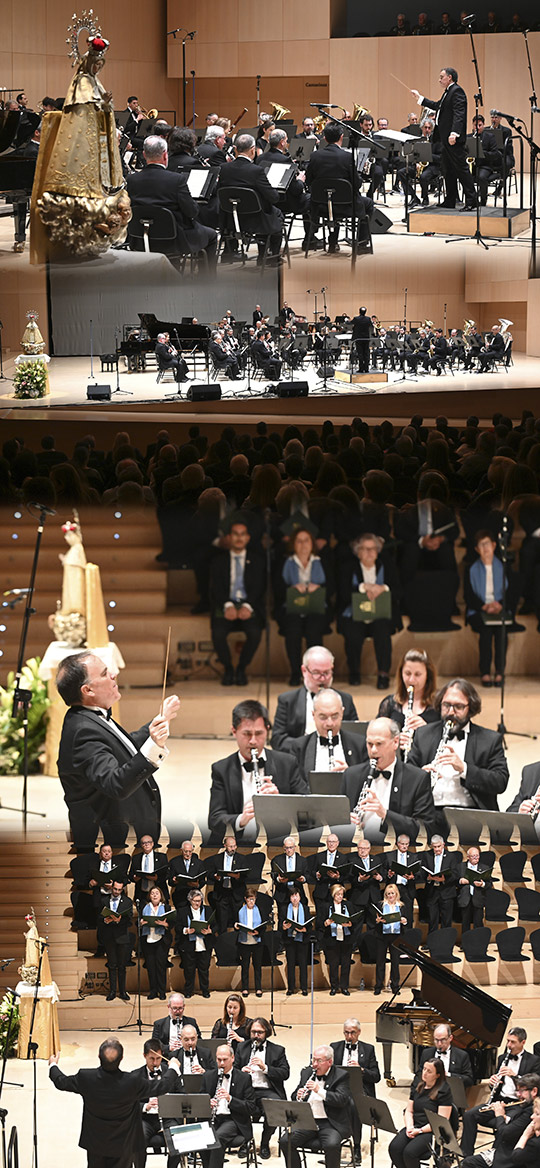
<point>505,324</point>
<point>359,112</point>
<point>278,111</point>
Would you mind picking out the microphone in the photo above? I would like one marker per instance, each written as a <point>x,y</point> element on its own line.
<point>174,31</point>
<point>192,34</point>
<point>509,117</point>
<point>469,19</point>
<point>16,592</point>
<point>41,507</point>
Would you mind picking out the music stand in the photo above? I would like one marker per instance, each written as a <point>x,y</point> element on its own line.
<point>325,782</point>
<point>375,1114</point>
<point>444,1135</point>
<point>292,1116</point>
<point>457,1087</point>
<point>192,1083</point>
<point>193,1112</point>
<point>500,825</point>
<point>281,815</point>
<point>212,1044</point>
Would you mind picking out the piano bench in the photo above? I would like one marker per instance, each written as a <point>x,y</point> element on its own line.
<point>109,362</point>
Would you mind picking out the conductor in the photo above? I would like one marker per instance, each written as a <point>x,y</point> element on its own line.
<point>451,131</point>
<point>361,333</point>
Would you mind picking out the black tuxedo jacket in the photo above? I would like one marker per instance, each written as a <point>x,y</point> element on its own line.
<point>367,1061</point>
<point>98,773</point>
<point>226,795</point>
<point>160,1030</point>
<point>321,890</point>
<point>305,751</point>
<point>111,1106</point>
<point>247,175</point>
<point>161,868</point>
<point>487,772</point>
<point>82,867</point>
<point>279,868</point>
<point>254,578</point>
<point>452,109</point>
<point>155,186</point>
<point>529,1065</point>
<point>290,716</point>
<point>508,1134</point>
<point>164,355</point>
<point>530,782</point>
<point>212,154</point>
<point>331,163</point>
<point>119,931</point>
<point>460,1063</point>
<point>445,891</point>
<point>177,867</point>
<point>276,1061</point>
<point>338,1097</point>
<point>479,894</point>
<point>204,1056</point>
<point>183,921</point>
<point>411,800</point>
<point>294,198</point>
<point>243,1101</point>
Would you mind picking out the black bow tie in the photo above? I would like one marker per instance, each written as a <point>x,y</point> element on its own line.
<point>384,774</point>
<point>155,1074</point>
<point>324,741</point>
<point>250,766</point>
<point>105,714</point>
<point>459,734</point>
<point>512,1058</point>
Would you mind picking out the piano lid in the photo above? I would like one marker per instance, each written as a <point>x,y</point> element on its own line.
<point>464,1004</point>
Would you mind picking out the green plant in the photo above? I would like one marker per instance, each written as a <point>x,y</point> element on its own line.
<point>11,729</point>
<point>9,1014</point>
<point>30,379</point>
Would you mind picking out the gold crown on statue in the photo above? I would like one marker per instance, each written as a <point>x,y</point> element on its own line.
<point>95,40</point>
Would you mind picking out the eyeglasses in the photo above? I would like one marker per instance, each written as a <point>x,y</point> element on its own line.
<point>320,672</point>
<point>459,707</point>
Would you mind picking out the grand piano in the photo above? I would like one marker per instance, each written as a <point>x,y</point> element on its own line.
<point>137,343</point>
<point>478,1021</point>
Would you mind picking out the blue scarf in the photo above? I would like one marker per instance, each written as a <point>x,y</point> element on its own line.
<point>294,936</point>
<point>342,908</point>
<point>243,918</point>
<point>477,576</point>
<point>152,923</point>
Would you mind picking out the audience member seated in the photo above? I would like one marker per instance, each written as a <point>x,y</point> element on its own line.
<point>237,585</point>
<point>303,613</point>
<point>485,588</point>
<point>368,606</point>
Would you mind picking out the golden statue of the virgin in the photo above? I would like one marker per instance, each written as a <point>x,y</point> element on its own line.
<point>79,204</point>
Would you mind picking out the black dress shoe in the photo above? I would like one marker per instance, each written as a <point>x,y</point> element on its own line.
<point>264,1152</point>
<point>354,679</point>
<point>150,997</point>
<point>448,206</point>
<point>240,677</point>
<point>110,997</point>
<point>228,677</point>
<point>376,991</point>
<point>304,993</point>
<point>124,996</point>
<point>206,995</point>
<point>468,207</point>
<point>333,248</point>
<point>383,681</point>
<point>347,993</point>
<point>333,993</point>
<point>162,997</point>
<point>289,993</point>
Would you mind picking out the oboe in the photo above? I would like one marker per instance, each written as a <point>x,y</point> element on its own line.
<point>448,729</point>
<point>406,724</point>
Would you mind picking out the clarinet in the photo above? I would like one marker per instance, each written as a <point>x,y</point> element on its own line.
<point>408,716</point>
<point>214,1103</point>
<point>448,729</point>
<point>497,1087</point>
<point>372,772</point>
<point>535,809</point>
<point>255,766</point>
<point>230,1029</point>
<point>350,1049</point>
<point>330,750</point>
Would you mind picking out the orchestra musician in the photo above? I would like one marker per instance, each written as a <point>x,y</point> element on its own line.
<point>325,1087</point>
<point>264,356</point>
<point>266,1063</point>
<point>233,1104</point>
<point>295,199</point>
<point>399,794</point>
<point>493,348</point>
<point>376,170</point>
<point>450,129</point>
<point>328,165</point>
<point>491,163</point>
<point>439,351</point>
<point>212,150</point>
<point>155,186</point>
<point>412,1144</point>
<point>168,357</point>
<point>514,1062</point>
<point>315,752</point>
<point>454,1060</point>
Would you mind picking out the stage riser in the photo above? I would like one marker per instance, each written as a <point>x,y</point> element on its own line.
<point>445,222</point>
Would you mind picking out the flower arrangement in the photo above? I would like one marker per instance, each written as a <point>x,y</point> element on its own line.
<point>9,1024</point>
<point>11,729</point>
<point>30,379</point>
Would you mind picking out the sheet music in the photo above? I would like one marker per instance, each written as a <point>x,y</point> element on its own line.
<point>197,182</point>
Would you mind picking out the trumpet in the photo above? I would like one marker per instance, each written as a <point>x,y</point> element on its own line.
<point>448,729</point>
<point>408,716</point>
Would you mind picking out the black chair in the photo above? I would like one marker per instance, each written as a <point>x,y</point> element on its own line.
<point>474,943</point>
<point>496,905</point>
<point>154,229</point>
<point>412,937</point>
<point>333,204</point>
<point>509,943</point>
<point>241,208</point>
<point>348,1142</point>
<point>535,865</point>
<point>441,946</point>
<point>162,370</point>
<point>534,938</point>
<point>512,865</point>
<point>528,902</point>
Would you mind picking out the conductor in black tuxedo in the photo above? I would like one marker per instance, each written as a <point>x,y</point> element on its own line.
<point>237,592</point>
<point>110,1130</point>
<point>294,711</point>
<point>451,131</point>
<point>245,174</point>
<point>328,165</point>
<point>325,1087</point>
<point>107,774</point>
<point>361,332</point>
<point>234,781</point>
<point>454,1060</point>
<point>169,358</point>
<point>234,1105</point>
<point>155,186</point>
<point>398,795</point>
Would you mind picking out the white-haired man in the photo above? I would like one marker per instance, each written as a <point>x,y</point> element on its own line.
<point>294,713</point>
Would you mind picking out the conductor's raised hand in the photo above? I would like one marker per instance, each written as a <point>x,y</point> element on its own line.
<point>159,730</point>
<point>171,706</point>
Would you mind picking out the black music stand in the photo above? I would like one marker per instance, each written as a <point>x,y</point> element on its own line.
<point>457,1087</point>
<point>306,814</point>
<point>325,782</point>
<point>444,1136</point>
<point>190,1112</point>
<point>375,1114</point>
<point>291,1116</point>
<point>192,1083</point>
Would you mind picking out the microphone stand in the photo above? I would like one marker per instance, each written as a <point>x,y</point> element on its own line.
<point>2,374</point>
<point>192,71</point>
<point>117,352</point>
<point>478,101</point>
<point>258,98</point>
<point>534,150</point>
<point>534,109</point>
<point>272,1021</point>
<point>503,547</point>
<point>22,698</point>
<point>3,1112</point>
<point>31,1052</point>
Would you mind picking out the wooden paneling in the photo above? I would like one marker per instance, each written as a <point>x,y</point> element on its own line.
<point>267,55</point>
<point>259,23</point>
<point>303,22</point>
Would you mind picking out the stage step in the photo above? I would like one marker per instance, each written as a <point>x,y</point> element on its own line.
<point>493,223</point>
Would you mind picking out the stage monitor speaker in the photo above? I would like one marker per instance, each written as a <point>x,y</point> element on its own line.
<point>292,389</point>
<point>204,392</point>
<point>98,392</point>
<point>379,222</point>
